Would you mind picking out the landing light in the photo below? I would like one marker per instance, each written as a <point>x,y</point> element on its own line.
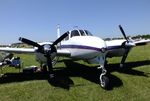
<point>103,50</point>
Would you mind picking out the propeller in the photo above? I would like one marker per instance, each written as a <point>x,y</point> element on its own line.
<point>124,46</point>
<point>47,50</point>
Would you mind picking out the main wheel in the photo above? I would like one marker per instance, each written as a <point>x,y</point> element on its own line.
<point>105,82</point>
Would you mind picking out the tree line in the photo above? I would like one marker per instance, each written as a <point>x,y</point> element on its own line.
<point>146,36</point>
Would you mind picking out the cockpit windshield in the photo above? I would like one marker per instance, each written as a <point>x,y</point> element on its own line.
<point>74,33</point>
<point>88,33</point>
<point>80,33</point>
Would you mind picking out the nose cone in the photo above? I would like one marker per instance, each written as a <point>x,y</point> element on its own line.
<point>90,41</point>
<point>95,42</point>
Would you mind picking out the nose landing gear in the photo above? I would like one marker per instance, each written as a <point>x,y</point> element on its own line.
<point>104,80</point>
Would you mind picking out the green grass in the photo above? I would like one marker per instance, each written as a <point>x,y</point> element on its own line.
<point>78,82</point>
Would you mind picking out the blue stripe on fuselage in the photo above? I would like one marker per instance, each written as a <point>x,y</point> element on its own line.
<point>80,47</point>
<point>89,47</point>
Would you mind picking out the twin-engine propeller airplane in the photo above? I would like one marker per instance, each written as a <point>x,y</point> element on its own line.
<point>80,44</point>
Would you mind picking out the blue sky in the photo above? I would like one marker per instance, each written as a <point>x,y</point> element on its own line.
<point>37,19</point>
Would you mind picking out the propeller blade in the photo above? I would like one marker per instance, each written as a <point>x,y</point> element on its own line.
<point>27,41</point>
<point>121,29</point>
<point>49,64</point>
<point>60,39</point>
<point>124,57</point>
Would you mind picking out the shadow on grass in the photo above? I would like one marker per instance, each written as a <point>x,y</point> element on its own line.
<point>129,68</point>
<point>19,77</point>
<point>62,81</point>
<point>74,69</point>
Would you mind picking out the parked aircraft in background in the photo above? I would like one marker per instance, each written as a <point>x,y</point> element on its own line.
<point>80,44</point>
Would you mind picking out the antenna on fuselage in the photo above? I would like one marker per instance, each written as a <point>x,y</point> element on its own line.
<point>75,27</point>
<point>58,31</point>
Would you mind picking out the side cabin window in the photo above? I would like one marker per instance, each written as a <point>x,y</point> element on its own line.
<point>75,33</point>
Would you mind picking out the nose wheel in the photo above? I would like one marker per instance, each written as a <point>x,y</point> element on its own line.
<point>104,82</point>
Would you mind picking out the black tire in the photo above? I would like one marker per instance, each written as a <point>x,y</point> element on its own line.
<point>105,83</point>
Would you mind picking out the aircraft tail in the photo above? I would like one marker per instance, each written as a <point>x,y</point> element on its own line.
<point>58,34</point>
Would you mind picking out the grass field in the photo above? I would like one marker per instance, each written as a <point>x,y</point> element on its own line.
<point>78,81</point>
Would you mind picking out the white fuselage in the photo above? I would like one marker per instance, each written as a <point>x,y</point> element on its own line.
<point>84,47</point>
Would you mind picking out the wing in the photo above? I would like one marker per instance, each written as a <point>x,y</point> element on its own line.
<point>141,42</point>
<point>17,50</point>
<point>60,52</point>
<point>115,48</point>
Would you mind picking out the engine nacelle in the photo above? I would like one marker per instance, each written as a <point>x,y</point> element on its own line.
<point>41,57</point>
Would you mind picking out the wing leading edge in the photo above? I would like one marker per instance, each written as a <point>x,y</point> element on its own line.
<point>17,50</point>
<point>60,52</point>
<point>141,42</point>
